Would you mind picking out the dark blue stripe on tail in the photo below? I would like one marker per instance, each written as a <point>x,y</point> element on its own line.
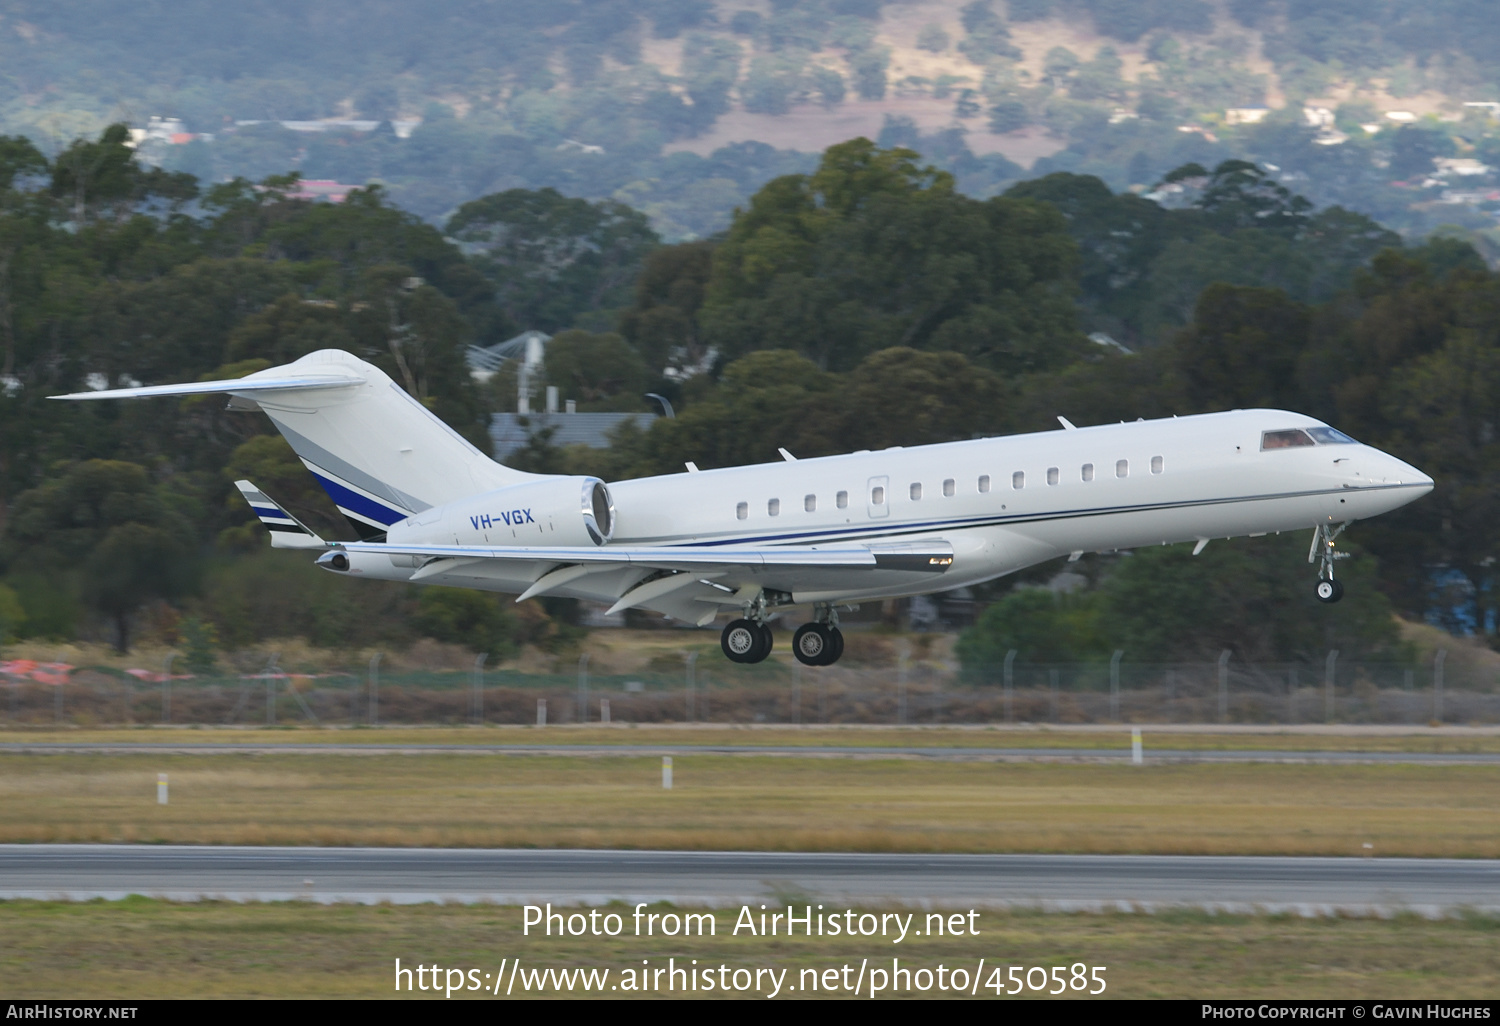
<point>352,500</point>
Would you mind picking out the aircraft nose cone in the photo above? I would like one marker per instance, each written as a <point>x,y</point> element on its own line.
<point>1400,472</point>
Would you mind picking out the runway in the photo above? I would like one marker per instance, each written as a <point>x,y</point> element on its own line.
<point>944,753</point>
<point>1307,886</point>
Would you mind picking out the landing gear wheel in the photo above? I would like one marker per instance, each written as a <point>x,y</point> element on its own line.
<point>1329,591</point>
<point>743,642</point>
<point>837,649</point>
<point>812,644</point>
<point>767,642</point>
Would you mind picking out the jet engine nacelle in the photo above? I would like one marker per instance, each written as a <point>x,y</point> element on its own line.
<point>555,511</point>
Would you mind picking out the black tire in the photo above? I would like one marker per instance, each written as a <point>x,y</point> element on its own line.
<point>1329,591</point>
<point>742,642</point>
<point>767,642</point>
<point>812,644</point>
<point>837,637</point>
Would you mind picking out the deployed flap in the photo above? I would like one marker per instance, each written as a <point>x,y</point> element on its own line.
<point>665,557</point>
<point>928,557</point>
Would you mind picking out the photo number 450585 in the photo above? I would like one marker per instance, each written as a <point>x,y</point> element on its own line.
<point>1077,977</point>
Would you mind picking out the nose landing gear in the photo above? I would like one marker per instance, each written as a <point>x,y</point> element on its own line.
<point>1329,591</point>
<point>1325,555</point>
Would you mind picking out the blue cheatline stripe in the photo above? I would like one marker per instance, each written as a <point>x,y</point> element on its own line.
<point>352,500</point>
<point>274,514</point>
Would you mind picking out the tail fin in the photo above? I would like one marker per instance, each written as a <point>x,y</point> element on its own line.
<point>381,455</point>
<point>287,532</point>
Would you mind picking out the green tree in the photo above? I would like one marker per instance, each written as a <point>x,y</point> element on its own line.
<point>600,371</point>
<point>1251,596</point>
<point>550,258</point>
<point>1039,625</point>
<point>12,615</point>
<point>103,178</point>
<point>1243,346</point>
<point>662,324</point>
<point>873,251</point>
<point>121,539</point>
<point>478,620</point>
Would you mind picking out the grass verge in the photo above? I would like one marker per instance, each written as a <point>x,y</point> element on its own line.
<point>140,948</point>
<point>731,803</point>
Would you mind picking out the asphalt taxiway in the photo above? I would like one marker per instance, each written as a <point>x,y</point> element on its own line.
<point>1308,886</point>
<point>945,753</point>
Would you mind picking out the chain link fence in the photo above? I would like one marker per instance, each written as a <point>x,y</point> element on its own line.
<point>899,691</point>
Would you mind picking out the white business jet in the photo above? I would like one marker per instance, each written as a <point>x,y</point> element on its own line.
<point>824,533</point>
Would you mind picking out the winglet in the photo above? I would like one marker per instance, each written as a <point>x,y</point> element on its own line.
<point>287,532</point>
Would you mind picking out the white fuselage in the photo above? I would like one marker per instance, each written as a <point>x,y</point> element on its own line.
<point>1001,503</point>
<point>835,529</point>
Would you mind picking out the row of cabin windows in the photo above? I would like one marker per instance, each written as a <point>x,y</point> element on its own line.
<point>809,504</point>
<point>950,488</point>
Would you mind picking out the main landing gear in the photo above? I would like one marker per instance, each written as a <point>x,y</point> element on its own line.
<point>749,640</point>
<point>745,641</point>
<point>1325,555</point>
<point>817,644</point>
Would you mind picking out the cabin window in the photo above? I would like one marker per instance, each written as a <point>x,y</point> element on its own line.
<point>1157,465</point>
<point>742,511</point>
<point>984,482</point>
<point>810,503</point>
<point>1052,475</point>
<point>1088,471</point>
<point>948,488</point>
<point>841,500</point>
<point>1294,438</point>
<point>877,496</point>
<point>774,507</point>
<point>1018,480</point>
<point>1122,468</point>
<point>915,491</point>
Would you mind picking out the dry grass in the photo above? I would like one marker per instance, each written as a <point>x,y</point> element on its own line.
<point>143,949</point>
<point>724,802</point>
<point>1436,740</point>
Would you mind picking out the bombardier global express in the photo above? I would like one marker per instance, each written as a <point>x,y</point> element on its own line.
<point>824,533</point>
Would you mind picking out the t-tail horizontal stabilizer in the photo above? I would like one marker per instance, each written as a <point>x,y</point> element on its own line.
<point>287,532</point>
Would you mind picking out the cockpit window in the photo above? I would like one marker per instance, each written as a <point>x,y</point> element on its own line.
<point>1330,436</point>
<point>1291,438</point>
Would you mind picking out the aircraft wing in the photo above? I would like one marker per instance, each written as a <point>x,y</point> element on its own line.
<point>933,557</point>
<point>675,579</point>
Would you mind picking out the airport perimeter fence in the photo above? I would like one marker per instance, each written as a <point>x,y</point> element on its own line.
<point>775,692</point>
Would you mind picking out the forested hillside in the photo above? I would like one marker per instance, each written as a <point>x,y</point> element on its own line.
<point>683,108</point>
<point>823,330</point>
